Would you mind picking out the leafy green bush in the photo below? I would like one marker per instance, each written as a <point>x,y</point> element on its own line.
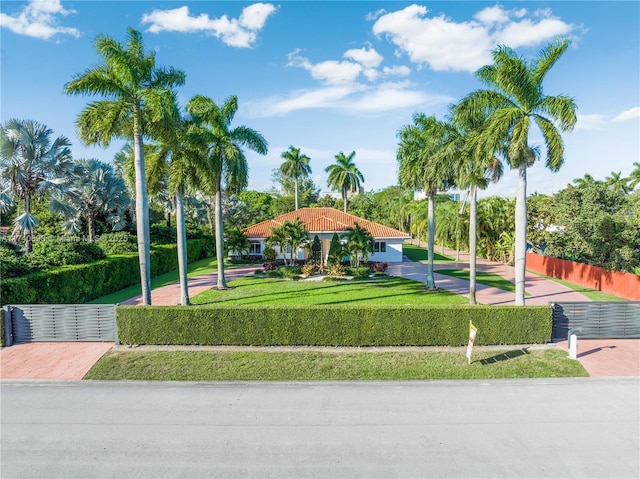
<point>85,282</point>
<point>162,234</point>
<point>335,270</point>
<point>49,254</point>
<point>11,264</point>
<point>359,273</point>
<point>333,325</point>
<point>117,243</point>
<point>290,272</point>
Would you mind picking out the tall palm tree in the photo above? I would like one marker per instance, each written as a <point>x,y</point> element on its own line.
<point>31,164</point>
<point>423,166</point>
<point>226,163</point>
<point>515,101</point>
<point>295,166</point>
<point>137,96</point>
<point>179,157</point>
<point>475,169</point>
<point>95,191</point>
<point>344,176</point>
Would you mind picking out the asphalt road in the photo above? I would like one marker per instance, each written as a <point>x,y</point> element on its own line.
<point>504,428</point>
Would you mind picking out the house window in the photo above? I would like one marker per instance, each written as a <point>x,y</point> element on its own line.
<point>380,247</point>
<point>256,247</point>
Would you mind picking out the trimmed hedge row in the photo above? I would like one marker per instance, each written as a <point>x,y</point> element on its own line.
<point>85,282</point>
<point>333,326</point>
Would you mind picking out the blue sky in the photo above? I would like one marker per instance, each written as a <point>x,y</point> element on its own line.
<point>340,76</point>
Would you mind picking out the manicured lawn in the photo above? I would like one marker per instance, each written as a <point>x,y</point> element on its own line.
<point>391,290</point>
<point>197,268</point>
<point>488,279</point>
<point>335,366</point>
<point>592,294</point>
<point>421,254</point>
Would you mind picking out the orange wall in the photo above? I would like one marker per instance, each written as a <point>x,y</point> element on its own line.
<point>625,285</point>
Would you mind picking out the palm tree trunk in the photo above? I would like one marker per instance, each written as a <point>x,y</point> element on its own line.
<point>90,228</point>
<point>473,244</point>
<point>431,282</point>
<point>296,180</point>
<point>344,198</point>
<point>209,209</point>
<point>521,234</point>
<point>142,211</point>
<point>182,251</point>
<point>219,236</point>
<point>28,238</point>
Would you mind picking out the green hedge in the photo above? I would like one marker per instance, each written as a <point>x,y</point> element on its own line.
<point>333,326</point>
<point>85,282</point>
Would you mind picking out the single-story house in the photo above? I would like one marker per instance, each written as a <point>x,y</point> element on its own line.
<point>324,222</point>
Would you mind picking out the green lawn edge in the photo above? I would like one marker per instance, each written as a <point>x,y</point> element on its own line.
<point>592,294</point>
<point>487,279</point>
<point>323,366</point>
<point>415,253</point>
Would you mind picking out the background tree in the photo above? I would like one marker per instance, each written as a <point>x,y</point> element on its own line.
<point>278,237</point>
<point>515,101</point>
<point>227,165</point>
<point>237,241</point>
<point>336,251</point>
<point>316,251</point>
<point>296,236</point>
<point>96,191</point>
<point>359,243</point>
<point>283,195</point>
<point>344,176</point>
<point>136,98</point>
<point>634,178</point>
<point>31,164</point>
<point>423,167</point>
<point>295,166</point>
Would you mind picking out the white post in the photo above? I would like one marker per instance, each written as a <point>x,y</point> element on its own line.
<point>573,346</point>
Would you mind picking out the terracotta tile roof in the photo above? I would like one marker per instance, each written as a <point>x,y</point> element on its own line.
<point>323,220</point>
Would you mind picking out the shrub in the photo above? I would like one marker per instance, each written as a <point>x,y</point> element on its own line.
<point>360,272</point>
<point>335,270</point>
<point>333,325</point>
<point>117,243</point>
<point>269,254</point>
<point>49,254</point>
<point>85,282</point>
<point>290,272</point>
<point>272,265</point>
<point>162,234</point>
<point>308,269</point>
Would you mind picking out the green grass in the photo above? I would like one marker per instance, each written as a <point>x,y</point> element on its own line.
<point>592,294</point>
<point>488,279</point>
<point>334,366</point>
<point>197,268</point>
<point>421,254</point>
<point>275,291</point>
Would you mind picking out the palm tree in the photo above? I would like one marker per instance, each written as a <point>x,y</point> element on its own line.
<point>95,191</point>
<point>176,166</point>
<point>617,183</point>
<point>344,176</point>
<point>31,164</point>
<point>475,170</point>
<point>296,236</point>
<point>359,243</point>
<point>136,97</point>
<point>278,237</point>
<point>237,241</point>
<point>634,178</point>
<point>515,101</point>
<point>422,166</point>
<point>295,166</point>
<point>226,163</point>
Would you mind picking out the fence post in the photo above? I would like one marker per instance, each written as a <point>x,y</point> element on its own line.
<point>573,343</point>
<point>115,324</point>
<point>8,330</point>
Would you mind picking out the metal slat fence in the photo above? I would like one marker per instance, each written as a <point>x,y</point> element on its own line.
<point>25,323</point>
<point>596,320</point>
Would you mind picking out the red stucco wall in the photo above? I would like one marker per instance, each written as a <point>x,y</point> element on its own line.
<point>625,285</point>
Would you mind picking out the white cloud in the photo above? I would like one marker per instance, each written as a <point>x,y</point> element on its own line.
<point>326,97</point>
<point>367,57</point>
<point>371,16</point>
<point>631,114</point>
<point>530,33</point>
<point>438,41</point>
<point>492,15</point>
<point>331,71</point>
<point>39,20</point>
<point>241,33</point>
<point>399,70</point>
<point>447,45</point>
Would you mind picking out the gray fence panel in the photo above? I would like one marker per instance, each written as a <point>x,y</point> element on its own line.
<point>63,322</point>
<point>597,319</point>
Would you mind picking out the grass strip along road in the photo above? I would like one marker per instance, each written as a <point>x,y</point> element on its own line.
<point>303,365</point>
